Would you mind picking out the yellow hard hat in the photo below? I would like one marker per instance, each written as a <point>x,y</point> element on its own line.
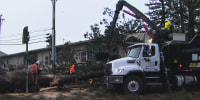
<point>167,23</point>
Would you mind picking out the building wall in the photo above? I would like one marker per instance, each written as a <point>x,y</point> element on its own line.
<point>44,57</point>
<point>80,53</point>
<point>83,52</point>
<point>14,60</point>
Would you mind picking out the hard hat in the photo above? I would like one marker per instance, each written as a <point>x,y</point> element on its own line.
<point>37,62</point>
<point>73,66</point>
<point>167,23</point>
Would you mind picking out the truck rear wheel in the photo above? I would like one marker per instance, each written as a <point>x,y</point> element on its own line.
<point>133,84</point>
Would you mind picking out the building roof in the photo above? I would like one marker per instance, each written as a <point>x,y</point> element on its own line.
<point>137,36</point>
<point>2,54</point>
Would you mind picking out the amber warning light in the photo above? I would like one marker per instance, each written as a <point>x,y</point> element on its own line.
<point>180,65</point>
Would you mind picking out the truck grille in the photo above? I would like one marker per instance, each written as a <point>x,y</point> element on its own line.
<point>108,69</point>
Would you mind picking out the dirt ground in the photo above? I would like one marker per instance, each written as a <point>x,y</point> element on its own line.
<point>51,93</point>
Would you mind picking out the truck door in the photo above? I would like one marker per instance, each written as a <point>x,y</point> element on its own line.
<point>150,59</point>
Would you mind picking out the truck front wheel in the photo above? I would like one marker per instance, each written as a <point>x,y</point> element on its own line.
<point>133,84</point>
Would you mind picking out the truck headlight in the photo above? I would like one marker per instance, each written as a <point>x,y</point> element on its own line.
<point>120,70</point>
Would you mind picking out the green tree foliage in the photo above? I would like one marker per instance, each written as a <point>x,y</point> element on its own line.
<point>124,25</point>
<point>193,12</point>
<point>182,13</point>
<point>157,12</point>
<point>95,34</point>
<point>197,20</point>
<point>66,56</point>
<point>130,26</point>
<point>178,15</point>
<point>69,53</point>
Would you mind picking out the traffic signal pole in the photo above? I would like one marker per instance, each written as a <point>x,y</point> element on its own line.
<point>27,71</point>
<point>25,39</point>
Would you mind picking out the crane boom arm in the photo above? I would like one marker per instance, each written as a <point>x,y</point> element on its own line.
<point>138,15</point>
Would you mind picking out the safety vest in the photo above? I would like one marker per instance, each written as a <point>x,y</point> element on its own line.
<point>167,25</point>
<point>72,69</point>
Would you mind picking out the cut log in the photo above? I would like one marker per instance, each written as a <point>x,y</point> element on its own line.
<point>69,79</point>
<point>15,80</point>
<point>44,80</point>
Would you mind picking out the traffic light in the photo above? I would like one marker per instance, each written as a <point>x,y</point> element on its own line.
<point>49,39</point>
<point>25,36</point>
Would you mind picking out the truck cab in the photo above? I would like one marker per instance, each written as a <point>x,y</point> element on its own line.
<point>141,58</point>
<point>177,64</point>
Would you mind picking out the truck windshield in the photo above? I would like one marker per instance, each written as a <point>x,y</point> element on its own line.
<point>134,51</point>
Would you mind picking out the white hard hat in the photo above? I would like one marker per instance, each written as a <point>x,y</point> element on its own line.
<point>37,62</point>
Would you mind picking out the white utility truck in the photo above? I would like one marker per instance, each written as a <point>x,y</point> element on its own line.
<point>164,62</point>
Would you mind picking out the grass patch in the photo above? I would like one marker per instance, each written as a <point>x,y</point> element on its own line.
<point>42,97</point>
<point>29,97</point>
<point>6,97</point>
<point>183,95</point>
<point>60,97</point>
<point>80,95</point>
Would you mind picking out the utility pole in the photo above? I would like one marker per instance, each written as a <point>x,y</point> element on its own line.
<point>1,19</point>
<point>0,23</point>
<point>53,52</point>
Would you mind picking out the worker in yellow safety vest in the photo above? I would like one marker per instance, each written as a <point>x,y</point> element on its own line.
<point>167,31</point>
<point>167,25</point>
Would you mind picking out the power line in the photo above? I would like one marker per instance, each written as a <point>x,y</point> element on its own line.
<point>10,39</point>
<point>20,34</point>
<point>37,35</point>
<point>37,38</point>
<point>21,43</point>
<point>36,42</point>
<point>12,42</point>
<point>18,39</point>
<point>11,35</point>
<point>40,30</point>
<point>9,44</point>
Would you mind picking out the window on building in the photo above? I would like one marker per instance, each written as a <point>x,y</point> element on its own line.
<point>46,60</point>
<point>83,56</point>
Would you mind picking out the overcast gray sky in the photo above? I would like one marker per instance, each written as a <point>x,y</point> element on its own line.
<point>73,19</point>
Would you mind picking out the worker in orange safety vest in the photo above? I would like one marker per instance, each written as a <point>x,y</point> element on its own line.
<point>34,69</point>
<point>72,69</point>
